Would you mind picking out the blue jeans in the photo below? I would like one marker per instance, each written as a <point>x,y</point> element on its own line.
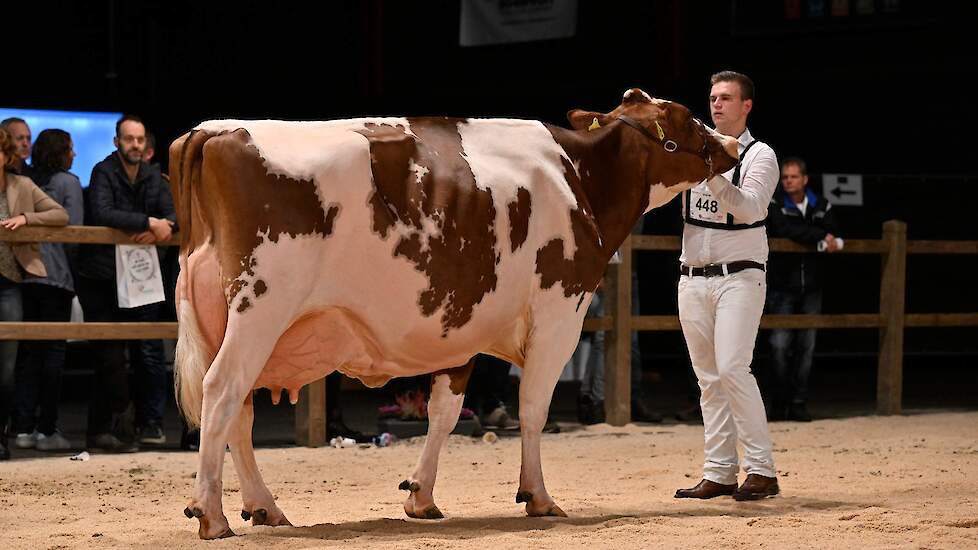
<point>792,350</point>
<point>11,309</point>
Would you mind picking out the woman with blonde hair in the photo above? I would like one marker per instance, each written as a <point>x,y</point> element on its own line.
<point>21,203</point>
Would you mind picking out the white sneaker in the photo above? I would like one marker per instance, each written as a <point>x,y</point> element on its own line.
<point>53,442</point>
<point>26,441</point>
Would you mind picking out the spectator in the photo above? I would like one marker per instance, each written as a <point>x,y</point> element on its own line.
<point>40,362</point>
<point>128,194</point>
<point>795,285</point>
<point>590,403</point>
<point>486,392</point>
<point>21,203</point>
<point>20,132</point>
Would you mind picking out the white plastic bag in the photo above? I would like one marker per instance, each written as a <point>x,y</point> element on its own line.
<point>137,275</point>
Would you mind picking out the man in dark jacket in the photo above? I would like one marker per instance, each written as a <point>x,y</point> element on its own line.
<point>128,194</point>
<point>794,284</point>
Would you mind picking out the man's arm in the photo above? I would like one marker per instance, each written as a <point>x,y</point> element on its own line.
<point>780,225</point>
<point>749,202</point>
<point>103,209</point>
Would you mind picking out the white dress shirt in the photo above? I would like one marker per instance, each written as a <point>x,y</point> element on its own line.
<point>759,177</point>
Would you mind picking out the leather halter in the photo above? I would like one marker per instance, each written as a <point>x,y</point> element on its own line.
<point>671,146</point>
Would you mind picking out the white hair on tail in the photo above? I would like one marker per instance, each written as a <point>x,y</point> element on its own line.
<point>191,361</point>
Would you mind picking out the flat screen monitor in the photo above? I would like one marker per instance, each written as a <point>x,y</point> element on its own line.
<point>91,133</point>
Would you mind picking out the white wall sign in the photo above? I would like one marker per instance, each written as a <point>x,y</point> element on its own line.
<point>843,189</point>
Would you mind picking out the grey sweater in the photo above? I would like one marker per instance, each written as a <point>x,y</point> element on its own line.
<point>65,188</point>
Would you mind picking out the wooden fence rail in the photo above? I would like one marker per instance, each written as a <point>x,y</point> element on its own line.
<point>618,324</point>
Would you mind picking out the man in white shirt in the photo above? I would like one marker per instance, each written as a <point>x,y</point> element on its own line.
<point>721,298</point>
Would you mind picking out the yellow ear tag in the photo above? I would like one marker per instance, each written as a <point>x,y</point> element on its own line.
<point>662,135</point>
<point>594,125</point>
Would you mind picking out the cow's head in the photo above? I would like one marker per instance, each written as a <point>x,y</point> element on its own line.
<point>683,151</point>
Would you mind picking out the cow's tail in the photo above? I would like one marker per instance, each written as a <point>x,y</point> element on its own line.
<point>191,362</point>
<point>193,355</point>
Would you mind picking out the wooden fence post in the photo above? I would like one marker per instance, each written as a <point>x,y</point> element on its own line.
<point>889,381</point>
<point>310,415</point>
<point>618,341</point>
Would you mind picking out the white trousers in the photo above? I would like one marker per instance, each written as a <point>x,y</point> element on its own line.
<point>720,317</point>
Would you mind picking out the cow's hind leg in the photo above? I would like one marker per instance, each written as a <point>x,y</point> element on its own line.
<point>444,406</point>
<point>258,503</point>
<point>227,384</point>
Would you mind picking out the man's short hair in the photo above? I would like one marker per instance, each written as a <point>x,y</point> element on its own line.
<point>127,118</point>
<point>5,123</point>
<point>795,161</point>
<point>745,83</point>
<point>150,140</point>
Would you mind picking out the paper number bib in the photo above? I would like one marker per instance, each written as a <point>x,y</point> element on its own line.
<point>704,207</point>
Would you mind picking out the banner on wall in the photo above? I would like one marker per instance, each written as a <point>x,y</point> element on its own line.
<point>485,22</point>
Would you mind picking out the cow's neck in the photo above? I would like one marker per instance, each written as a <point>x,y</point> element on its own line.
<point>611,165</point>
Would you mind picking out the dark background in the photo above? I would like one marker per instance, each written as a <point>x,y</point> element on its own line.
<point>886,95</point>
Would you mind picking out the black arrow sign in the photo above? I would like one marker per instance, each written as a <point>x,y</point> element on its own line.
<point>838,192</point>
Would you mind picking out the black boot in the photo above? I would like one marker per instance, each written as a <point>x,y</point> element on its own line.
<point>799,412</point>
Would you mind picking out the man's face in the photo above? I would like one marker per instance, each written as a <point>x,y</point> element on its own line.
<point>792,180</point>
<point>131,141</point>
<point>21,135</point>
<point>726,105</point>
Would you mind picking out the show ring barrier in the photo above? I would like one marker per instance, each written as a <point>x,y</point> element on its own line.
<point>310,413</point>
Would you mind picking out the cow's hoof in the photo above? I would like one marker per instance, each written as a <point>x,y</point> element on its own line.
<point>412,486</point>
<point>209,531</point>
<point>553,510</point>
<point>431,512</point>
<point>261,517</point>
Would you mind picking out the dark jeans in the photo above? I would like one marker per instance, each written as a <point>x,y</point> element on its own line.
<point>792,350</point>
<point>10,310</point>
<point>40,362</point>
<point>488,385</point>
<point>110,393</point>
<point>594,379</point>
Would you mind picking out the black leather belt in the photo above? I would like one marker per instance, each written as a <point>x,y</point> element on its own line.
<point>717,270</point>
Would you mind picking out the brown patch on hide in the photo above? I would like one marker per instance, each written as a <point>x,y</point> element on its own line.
<point>248,206</point>
<point>459,376</point>
<point>423,176</point>
<point>519,219</point>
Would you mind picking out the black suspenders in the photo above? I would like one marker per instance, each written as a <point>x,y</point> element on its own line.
<point>730,225</point>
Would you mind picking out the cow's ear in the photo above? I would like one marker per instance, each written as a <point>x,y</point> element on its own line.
<point>584,120</point>
<point>635,95</point>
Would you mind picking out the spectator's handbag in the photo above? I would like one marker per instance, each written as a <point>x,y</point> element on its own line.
<point>137,275</point>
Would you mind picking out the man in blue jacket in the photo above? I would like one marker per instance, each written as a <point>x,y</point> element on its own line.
<point>128,194</point>
<point>795,286</point>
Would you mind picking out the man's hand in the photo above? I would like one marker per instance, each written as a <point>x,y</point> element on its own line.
<point>14,222</point>
<point>162,229</point>
<point>146,237</point>
<point>830,243</point>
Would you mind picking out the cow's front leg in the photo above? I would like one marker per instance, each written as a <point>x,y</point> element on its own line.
<point>258,503</point>
<point>444,406</point>
<point>546,356</point>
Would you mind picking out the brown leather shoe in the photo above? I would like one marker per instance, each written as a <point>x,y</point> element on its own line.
<point>707,489</point>
<point>756,487</point>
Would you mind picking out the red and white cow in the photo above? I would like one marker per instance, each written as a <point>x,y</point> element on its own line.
<point>383,247</point>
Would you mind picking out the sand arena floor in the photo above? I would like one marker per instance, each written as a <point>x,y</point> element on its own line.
<point>865,482</point>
